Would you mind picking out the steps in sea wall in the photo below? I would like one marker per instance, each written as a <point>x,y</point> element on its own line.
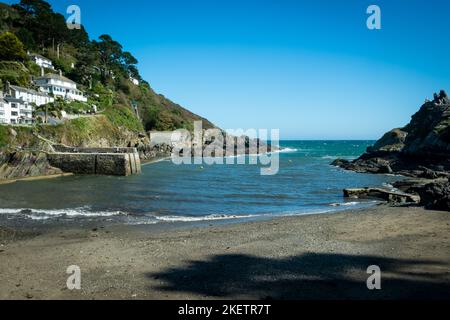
<point>96,161</point>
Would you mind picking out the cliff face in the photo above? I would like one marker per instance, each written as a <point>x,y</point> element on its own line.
<point>428,133</point>
<point>15,165</point>
<point>419,150</point>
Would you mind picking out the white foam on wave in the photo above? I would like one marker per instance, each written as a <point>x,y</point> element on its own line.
<point>143,223</point>
<point>355,203</point>
<point>282,150</point>
<point>203,218</point>
<point>286,150</point>
<point>344,204</point>
<point>216,217</point>
<point>10,211</point>
<point>44,214</point>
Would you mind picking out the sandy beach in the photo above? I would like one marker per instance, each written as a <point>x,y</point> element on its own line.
<point>304,257</point>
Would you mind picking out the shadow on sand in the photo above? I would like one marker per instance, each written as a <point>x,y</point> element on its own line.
<point>309,276</point>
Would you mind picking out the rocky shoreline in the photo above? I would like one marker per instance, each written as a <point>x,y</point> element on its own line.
<point>419,151</point>
<point>34,157</point>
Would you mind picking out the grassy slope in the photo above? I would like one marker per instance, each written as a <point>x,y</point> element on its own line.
<point>97,131</point>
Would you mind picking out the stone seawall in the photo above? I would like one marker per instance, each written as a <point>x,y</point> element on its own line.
<point>97,161</point>
<point>65,149</point>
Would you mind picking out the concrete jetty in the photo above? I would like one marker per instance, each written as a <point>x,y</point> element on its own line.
<point>96,161</point>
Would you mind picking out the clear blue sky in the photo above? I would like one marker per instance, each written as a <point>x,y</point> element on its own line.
<point>309,68</point>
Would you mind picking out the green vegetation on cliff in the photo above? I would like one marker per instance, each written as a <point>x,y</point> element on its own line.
<point>103,70</point>
<point>98,131</point>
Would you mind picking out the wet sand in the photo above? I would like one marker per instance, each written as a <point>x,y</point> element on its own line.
<point>47,177</point>
<point>305,257</point>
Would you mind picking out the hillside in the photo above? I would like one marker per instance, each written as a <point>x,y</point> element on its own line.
<point>103,70</point>
<point>126,105</point>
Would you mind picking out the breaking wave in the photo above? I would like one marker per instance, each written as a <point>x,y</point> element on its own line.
<point>213,217</point>
<point>44,214</point>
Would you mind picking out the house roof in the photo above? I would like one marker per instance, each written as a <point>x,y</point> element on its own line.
<point>31,91</point>
<point>13,100</point>
<point>56,77</point>
<point>39,56</point>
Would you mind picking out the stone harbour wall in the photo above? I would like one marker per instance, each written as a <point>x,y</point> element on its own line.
<point>97,163</point>
<point>65,149</point>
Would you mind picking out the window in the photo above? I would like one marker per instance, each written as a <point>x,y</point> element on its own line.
<point>14,113</point>
<point>13,105</point>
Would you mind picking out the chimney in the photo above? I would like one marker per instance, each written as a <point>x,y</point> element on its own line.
<point>60,73</point>
<point>42,72</point>
<point>7,88</point>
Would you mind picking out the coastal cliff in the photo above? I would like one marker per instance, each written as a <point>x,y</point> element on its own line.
<point>119,106</point>
<point>420,150</point>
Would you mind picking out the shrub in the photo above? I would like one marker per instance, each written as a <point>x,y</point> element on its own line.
<point>124,117</point>
<point>11,48</point>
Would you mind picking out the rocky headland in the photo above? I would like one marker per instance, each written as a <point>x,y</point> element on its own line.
<point>419,151</point>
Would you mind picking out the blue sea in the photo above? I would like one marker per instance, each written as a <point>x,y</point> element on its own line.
<point>167,193</point>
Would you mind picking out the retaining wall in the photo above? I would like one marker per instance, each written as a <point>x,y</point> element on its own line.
<point>99,161</point>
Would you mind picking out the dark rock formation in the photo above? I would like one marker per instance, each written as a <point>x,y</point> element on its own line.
<point>419,150</point>
<point>378,193</point>
<point>436,195</point>
<point>15,165</point>
<point>393,141</point>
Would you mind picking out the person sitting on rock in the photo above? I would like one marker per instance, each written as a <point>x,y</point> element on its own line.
<point>444,97</point>
<point>436,98</point>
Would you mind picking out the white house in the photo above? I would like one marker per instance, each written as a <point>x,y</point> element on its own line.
<point>61,86</point>
<point>134,80</point>
<point>5,111</point>
<point>15,111</point>
<point>42,61</point>
<point>30,96</point>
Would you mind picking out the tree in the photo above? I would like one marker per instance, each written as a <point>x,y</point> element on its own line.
<point>33,7</point>
<point>84,71</point>
<point>128,59</point>
<point>134,72</point>
<point>47,27</point>
<point>110,54</point>
<point>11,48</point>
<point>54,109</point>
<point>36,18</point>
<point>129,63</point>
<point>113,60</point>
<point>8,17</point>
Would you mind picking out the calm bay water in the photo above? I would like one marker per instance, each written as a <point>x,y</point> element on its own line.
<point>165,192</point>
